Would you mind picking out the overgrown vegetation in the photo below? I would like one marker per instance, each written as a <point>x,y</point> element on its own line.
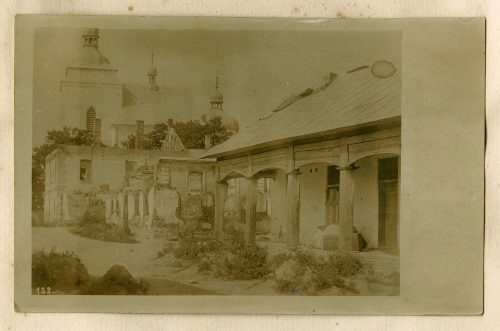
<point>64,273</point>
<point>61,272</point>
<point>294,272</point>
<point>307,273</point>
<point>192,134</point>
<point>229,258</point>
<point>92,224</point>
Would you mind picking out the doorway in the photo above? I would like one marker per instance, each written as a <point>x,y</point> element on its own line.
<point>332,196</point>
<point>388,203</point>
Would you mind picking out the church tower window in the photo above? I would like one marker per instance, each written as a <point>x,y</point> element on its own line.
<point>91,119</point>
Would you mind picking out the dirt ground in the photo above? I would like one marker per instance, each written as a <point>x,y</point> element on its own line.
<point>165,275</point>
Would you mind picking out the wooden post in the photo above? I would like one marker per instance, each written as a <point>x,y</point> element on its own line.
<point>293,208</point>
<point>346,199</point>
<point>251,211</point>
<point>346,204</point>
<point>220,201</point>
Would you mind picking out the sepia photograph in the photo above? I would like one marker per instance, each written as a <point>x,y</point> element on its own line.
<point>228,160</point>
<point>216,162</point>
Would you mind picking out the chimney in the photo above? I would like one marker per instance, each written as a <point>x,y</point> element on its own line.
<point>97,131</point>
<point>139,135</point>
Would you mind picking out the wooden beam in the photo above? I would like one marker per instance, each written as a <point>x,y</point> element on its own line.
<point>382,146</point>
<point>293,208</point>
<point>377,135</point>
<point>251,211</point>
<point>220,200</point>
<point>346,199</point>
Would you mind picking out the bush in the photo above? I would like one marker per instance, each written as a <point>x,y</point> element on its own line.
<point>230,258</point>
<point>92,224</point>
<point>62,272</point>
<point>105,232</point>
<point>249,262</point>
<point>306,273</point>
<point>195,250</point>
<point>95,213</point>
<point>116,281</point>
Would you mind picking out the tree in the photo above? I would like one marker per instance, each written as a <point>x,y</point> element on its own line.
<point>66,136</point>
<point>192,134</point>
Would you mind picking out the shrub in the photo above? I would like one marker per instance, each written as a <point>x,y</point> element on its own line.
<point>306,273</point>
<point>62,272</point>
<point>194,250</point>
<point>95,213</point>
<point>105,232</point>
<point>234,259</point>
<point>230,258</point>
<point>92,224</point>
<point>116,281</point>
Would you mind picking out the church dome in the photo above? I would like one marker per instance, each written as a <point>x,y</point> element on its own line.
<point>228,121</point>
<point>152,70</point>
<point>91,33</point>
<point>217,97</point>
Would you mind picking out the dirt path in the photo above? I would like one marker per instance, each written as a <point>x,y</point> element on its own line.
<point>98,256</point>
<point>140,259</point>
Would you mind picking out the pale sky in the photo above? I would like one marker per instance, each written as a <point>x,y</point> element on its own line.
<point>257,69</point>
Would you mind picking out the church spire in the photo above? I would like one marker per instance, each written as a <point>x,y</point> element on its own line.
<point>217,99</point>
<point>152,73</point>
<point>91,38</point>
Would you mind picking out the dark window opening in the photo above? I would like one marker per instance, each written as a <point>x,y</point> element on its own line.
<point>85,170</point>
<point>333,176</point>
<point>332,195</point>
<point>388,168</point>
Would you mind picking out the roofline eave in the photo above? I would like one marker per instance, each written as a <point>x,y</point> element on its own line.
<point>385,123</point>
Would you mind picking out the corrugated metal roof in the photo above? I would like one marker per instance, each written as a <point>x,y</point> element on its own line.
<point>350,99</point>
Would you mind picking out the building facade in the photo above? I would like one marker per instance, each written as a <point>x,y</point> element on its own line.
<point>123,177</point>
<point>332,157</point>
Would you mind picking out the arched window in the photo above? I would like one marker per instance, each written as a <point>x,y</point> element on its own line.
<point>91,119</point>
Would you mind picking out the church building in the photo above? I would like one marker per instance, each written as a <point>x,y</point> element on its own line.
<point>93,98</point>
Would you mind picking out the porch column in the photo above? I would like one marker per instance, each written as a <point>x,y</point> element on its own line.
<point>220,201</point>
<point>346,207</point>
<point>141,207</point>
<point>251,211</point>
<point>66,215</point>
<point>108,208</point>
<point>293,208</point>
<point>151,206</point>
<point>146,209</point>
<point>131,205</point>
<point>125,208</point>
